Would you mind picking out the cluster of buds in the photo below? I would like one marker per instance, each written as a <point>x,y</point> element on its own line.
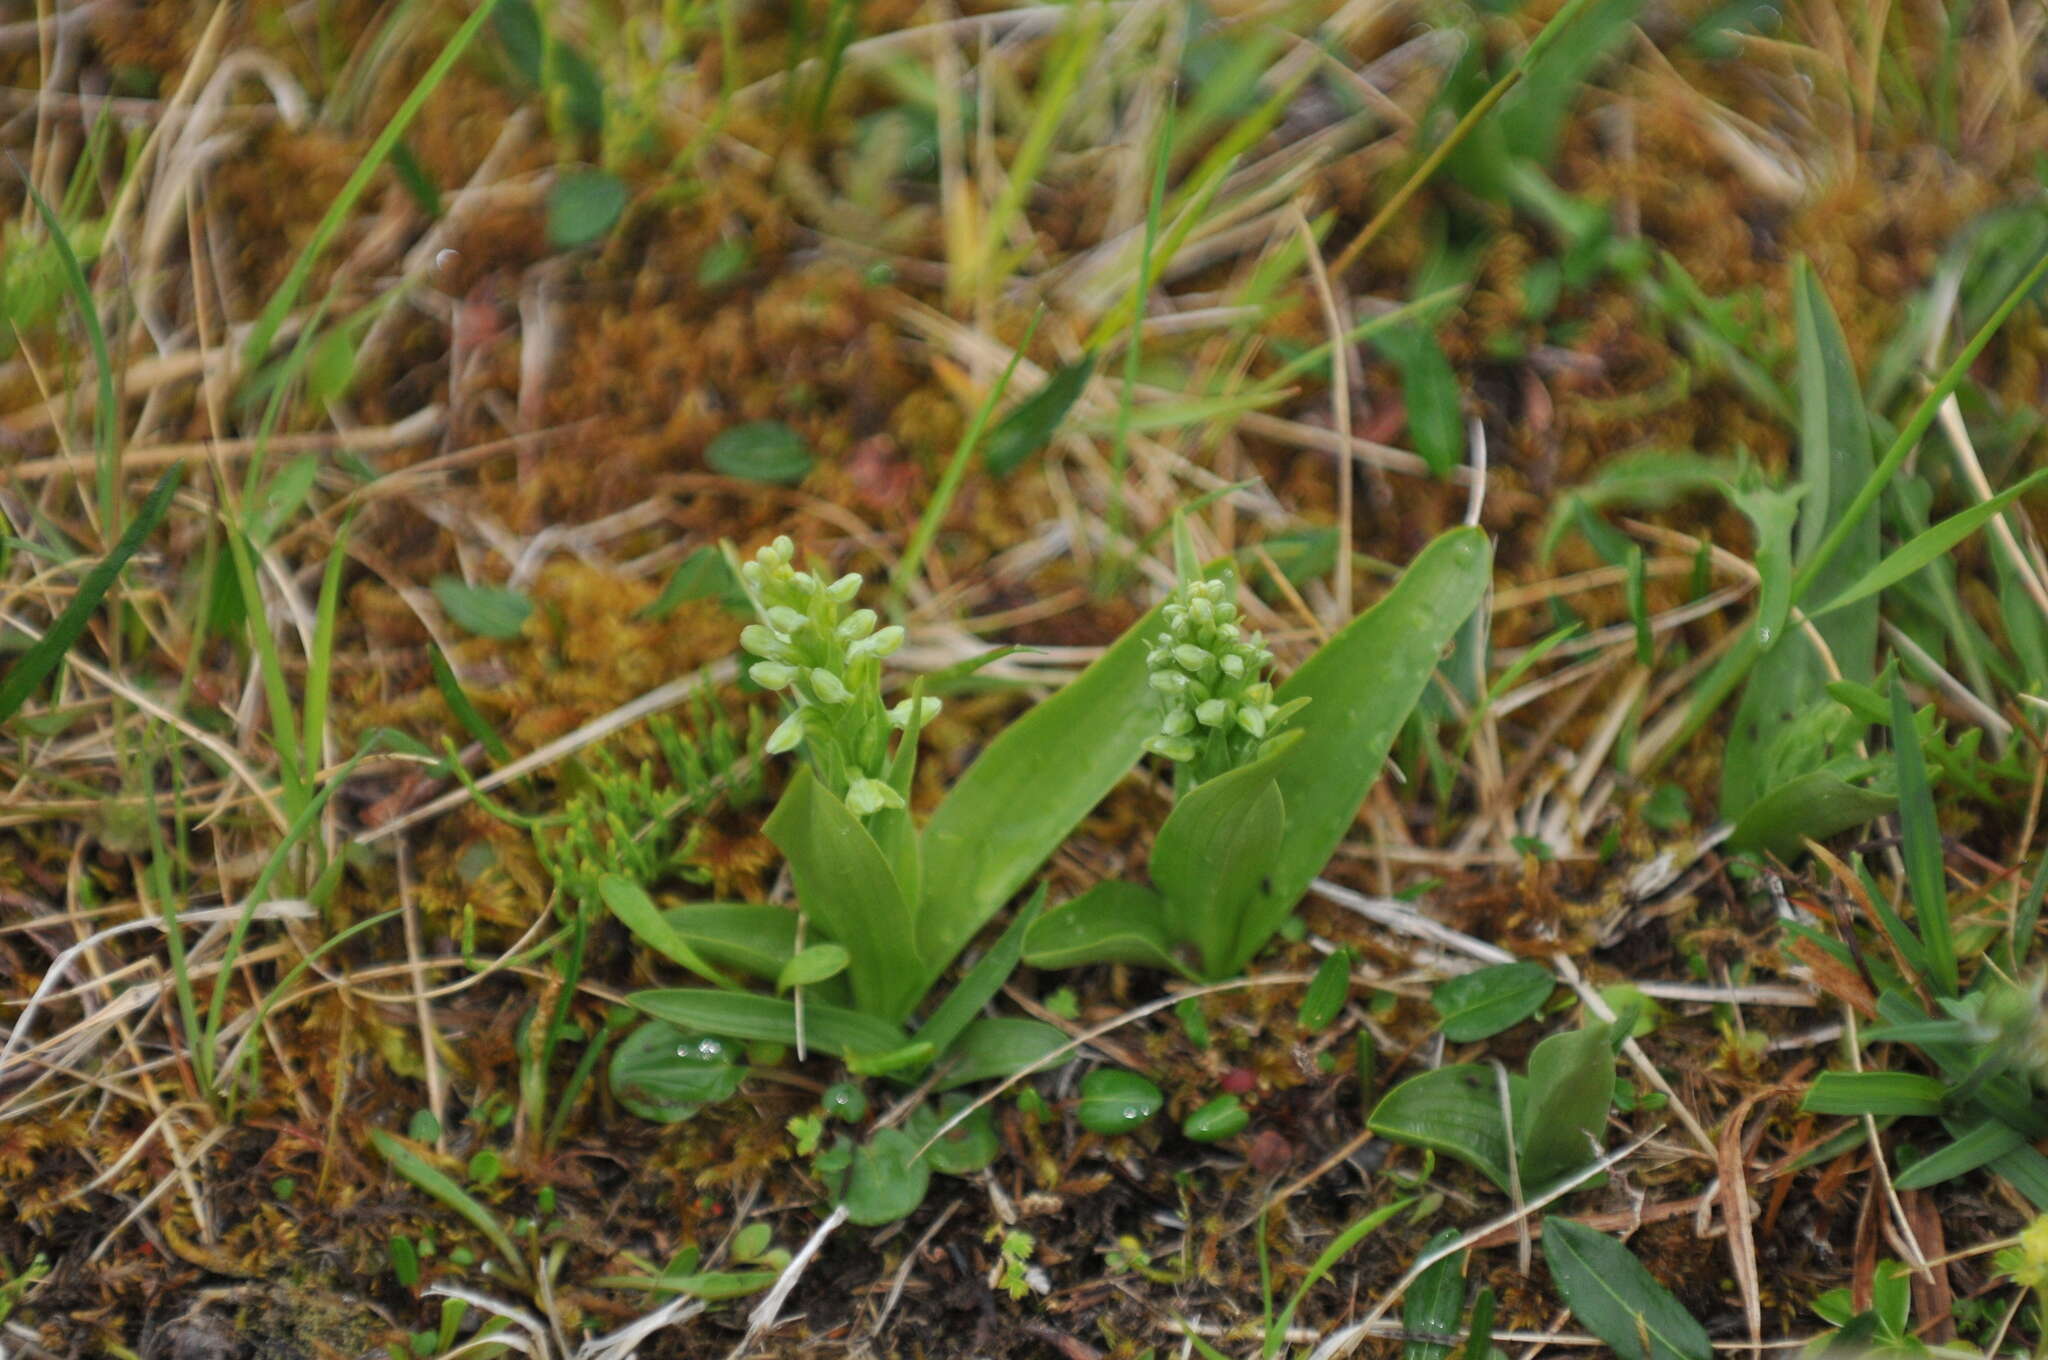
<point>828,657</point>
<point>1217,709</point>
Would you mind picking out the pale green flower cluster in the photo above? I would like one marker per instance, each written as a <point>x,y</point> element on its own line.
<point>1217,709</point>
<point>828,658</point>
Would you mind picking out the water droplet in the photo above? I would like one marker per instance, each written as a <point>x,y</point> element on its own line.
<point>1133,1112</point>
<point>1764,635</point>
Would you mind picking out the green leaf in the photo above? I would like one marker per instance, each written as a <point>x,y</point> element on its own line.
<point>962,1150</point>
<point>753,937</point>
<point>1361,686</point>
<point>1773,513</point>
<point>844,883</point>
<point>1035,420</point>
<point>1224,1117</point>
<point>582,206</point>
<point>1212,858</point>
<point>1327,993</point>
<point>412,1165</point>
<point>281,497</point>
<point>1985,1143</point>
<point>1112,922</point>
<point>953,1015</point>
<point>1930,546</point>
<point>703,575</point>
<point>1453,1110</point>
<point>331,368</point>
<point>1922,847</point>
<point>999,1046</point>
<point>1326,1261</point>
<point>665,1074</point>
<point>812,966</point>
<point>26,671</point>
<point>1808,807</point>
<point>1435,1301</point>
<point>487,611</point>
<point>629,902</point>
<point>1617,1300</point>
<point>1114,1101</point>
<point>462,707</point>
<point>886,1180</point>
<point>1878,1093</point>
<point>745,1015</point>
<point>765,451</point>
<point>1571,1086</point>
<point>1027,791</point>
<point>1479,1005</point>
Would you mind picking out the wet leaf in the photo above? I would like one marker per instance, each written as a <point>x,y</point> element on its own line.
<point>665,1074</point>
<point>1223,1117</point>
<point>1435,1301</point>
<point>1114,1101</point>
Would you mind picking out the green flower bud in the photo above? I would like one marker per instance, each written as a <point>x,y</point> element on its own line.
<point>786,621</point>
<point>1191,656</point>
<point>1173,748</point>
<point>899,716</point>
<point>865,797</point>
<point>843,589</point>
<point>1213,713</point>
<point>787,736</point>
<point>829,688</point>
<point>771,674</point>
<point>856,625</point>
<point>881,644</point>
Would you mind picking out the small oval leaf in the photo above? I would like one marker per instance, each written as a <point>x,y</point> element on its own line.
<point>1328,992</point>
<point>487,611</point>
<point>764,451</point>
<point>1223,1117</point>
<point>1481,1004</point>
<point>812,965</point>
<point>1114,1101</point>
<point>886,1181</point>
<point>582,206</point>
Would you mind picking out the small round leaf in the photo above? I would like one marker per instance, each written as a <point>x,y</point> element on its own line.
<point>1223,1117</point>
<point>885,1180</point>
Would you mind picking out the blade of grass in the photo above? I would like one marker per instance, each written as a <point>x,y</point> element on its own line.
<point>107,435</point>
<point>35,663</point>
<point>1922,836</point>
<point>287,295</point>
<point>911,564</point>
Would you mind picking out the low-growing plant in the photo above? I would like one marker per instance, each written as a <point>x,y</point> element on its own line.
<point>1269,779</point>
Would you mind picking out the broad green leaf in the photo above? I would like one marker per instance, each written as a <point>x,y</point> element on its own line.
<point>1930,546</point>
<point>1811,806</point>
<point>1035,420</point>
<point>582,206</point>
<point>414,1166</point>
<point>765,451</point>
<point>1479,1005</point>
<point>1879,1093</point>
<point>487,611</point>
<point>1985,1143</point>
<point>1360,685</point>
<point>1113,922</point>
<point>753,937</point>
<point>1456,1111</point>
<point>665,1074</point>
<point>999,1046</point>
<point>629,902</point>
<point>1030,787</point>
<point>1435,1301</point>
<point>886,1181</point>
<point>1571,1086</point>
<point>1617,1300</point>
<point>26,671</point>
<point>745,1015</point>
<point>844,883</point>
<point>1114,1101</point>
<point>811,966</point>
<point>1922,846</point>
<point>1213,855</point>
<point>953,1015</point>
